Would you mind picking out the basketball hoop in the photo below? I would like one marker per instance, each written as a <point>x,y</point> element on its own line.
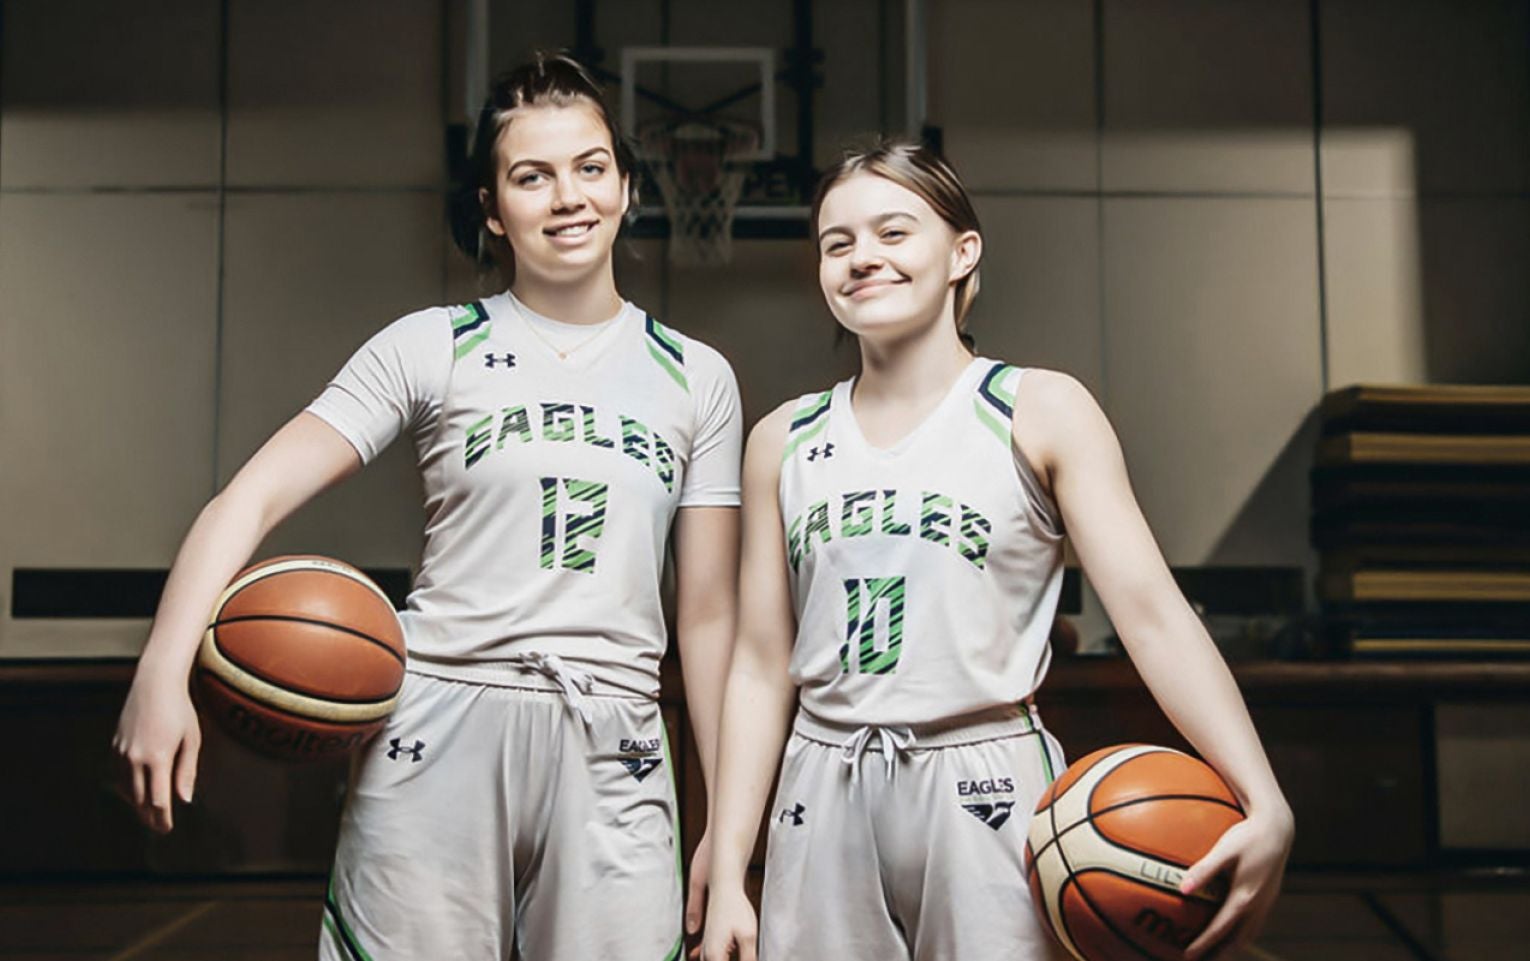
<point>695,163</point>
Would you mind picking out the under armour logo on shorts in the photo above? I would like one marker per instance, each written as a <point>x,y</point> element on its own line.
<point>795,813</point>
<point>416,753</point>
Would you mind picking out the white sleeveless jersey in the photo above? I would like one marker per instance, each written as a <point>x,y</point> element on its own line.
<point>925,576</point>
<point>550,483</point>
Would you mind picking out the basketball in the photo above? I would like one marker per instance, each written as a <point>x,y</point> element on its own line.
<point>1109,845</point>
<point>302,658</point>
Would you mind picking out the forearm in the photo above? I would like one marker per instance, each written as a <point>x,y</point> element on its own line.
<point>1188,678</point>
<point>219,543</point>
<point>705,646</point>
<point>756,713</point>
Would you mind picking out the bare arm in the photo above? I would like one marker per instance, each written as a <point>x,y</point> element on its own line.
<point>706,557</point>
<point>1060,428</point>
<point>760,696</point>
<point>706,562</point>
<point>157,736</point>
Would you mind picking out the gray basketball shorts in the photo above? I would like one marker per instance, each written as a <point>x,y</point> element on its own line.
<point>485,817</point>
<point>891,843</point>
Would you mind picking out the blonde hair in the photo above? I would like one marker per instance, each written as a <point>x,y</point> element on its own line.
<point>916,167</point>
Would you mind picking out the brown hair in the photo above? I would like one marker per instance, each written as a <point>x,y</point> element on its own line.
<point>553,80</point>
<point>915,167</point>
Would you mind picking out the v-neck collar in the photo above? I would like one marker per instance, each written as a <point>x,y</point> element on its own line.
<point>842,400</point>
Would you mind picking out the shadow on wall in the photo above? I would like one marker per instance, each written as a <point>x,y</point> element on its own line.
<point>1476,288</point>
<point>1273,521</point>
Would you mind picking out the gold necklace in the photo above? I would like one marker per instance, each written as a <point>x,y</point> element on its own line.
<point>562,354</point>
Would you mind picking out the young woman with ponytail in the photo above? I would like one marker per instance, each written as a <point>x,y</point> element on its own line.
<point>567,440</point>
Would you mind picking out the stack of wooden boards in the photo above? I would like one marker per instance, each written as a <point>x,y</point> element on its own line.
<point>1421,515</point>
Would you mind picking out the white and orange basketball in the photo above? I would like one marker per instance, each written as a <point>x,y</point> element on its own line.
<point>302,659</point>
<point>1109,845</point>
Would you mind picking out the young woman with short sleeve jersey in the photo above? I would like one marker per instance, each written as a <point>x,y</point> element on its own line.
<point>520,797</point>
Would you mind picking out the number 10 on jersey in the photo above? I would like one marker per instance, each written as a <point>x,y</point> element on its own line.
<point>867,650</point>
<point>563,528</point>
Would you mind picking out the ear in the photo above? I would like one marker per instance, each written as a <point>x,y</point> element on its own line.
<point>966,254</point>
<point>626,193</point>
<point>490,218</point>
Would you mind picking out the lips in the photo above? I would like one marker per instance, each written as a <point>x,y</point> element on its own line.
<point>577,229</point>
<point>870,286</point>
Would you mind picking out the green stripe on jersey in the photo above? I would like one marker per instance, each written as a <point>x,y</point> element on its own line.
<point>667,351</point>
<point>808,421</point>
<point>470,327</point>
<point>987,419</point>
<point>669,368</point>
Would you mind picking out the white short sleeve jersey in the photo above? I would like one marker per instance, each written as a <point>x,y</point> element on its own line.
<point>925,576</point>
<point>550,483</point>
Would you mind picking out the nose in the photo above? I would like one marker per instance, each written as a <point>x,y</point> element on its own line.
<point>567,195</point>
<point>865,257</point>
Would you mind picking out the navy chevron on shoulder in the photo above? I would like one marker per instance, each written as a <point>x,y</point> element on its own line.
<point>996,396</point>
<point>667,351</point>
<point>470,327</point>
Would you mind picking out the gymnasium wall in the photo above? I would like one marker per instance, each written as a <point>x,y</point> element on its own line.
<point>1210,211</point>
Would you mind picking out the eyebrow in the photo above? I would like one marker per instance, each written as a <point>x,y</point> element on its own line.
<point>877,221</point>
<point>538,162</point>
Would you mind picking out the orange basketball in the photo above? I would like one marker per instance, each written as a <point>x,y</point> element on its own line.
<point>1109,845</point>
<point>302,659</point>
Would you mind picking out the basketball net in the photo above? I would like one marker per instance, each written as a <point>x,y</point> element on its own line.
<point>694,164</point>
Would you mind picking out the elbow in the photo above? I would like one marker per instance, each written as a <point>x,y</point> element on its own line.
<point>236,505</point>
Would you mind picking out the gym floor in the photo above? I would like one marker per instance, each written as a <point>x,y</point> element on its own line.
<point>1319,918</point>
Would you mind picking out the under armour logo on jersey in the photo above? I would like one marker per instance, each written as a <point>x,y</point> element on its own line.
<point>795,813</point>
<point>641,767</point>
<point>490,360</point>
<point>416,753</point>
<point>826,451</point>
<point>993,815</point>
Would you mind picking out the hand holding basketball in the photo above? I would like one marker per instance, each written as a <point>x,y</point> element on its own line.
<point>1110,846</point>
<point>1253,853</point>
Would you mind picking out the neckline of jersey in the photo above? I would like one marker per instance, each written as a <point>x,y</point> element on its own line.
<point>506,304</point>
<point>845,389</point>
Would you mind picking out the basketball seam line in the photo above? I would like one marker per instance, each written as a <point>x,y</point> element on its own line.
<point>1081,774</point>
<point>302,620</point>
<point>1090,817</point>
<point>1120,936</point>
<point>302,692</point>
<point>1051,812</point>
<point>1135,853</point>
<point>294,714</point>
<point>274,567</point>
<point>1062,915</point>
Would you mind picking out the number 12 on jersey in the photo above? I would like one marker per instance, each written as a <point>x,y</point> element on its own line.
<point>570,526</point>
<point>864,597</point>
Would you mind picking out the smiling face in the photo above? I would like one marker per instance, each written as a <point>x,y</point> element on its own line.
<point>558,196</point>
<point>887,260</point>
